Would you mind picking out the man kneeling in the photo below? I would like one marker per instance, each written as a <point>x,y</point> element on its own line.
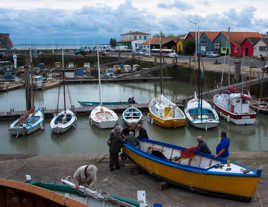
<point>85,175</point>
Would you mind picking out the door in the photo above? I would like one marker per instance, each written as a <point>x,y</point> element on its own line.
<point>246,52</point>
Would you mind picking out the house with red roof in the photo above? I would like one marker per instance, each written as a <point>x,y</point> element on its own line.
<point>133,39</point>
<point>206,41</point>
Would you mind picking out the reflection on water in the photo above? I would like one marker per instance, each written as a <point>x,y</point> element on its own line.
<point>87,139</point>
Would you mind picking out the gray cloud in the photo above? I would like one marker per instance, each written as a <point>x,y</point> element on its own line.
<point>97,25</point>
<point>176,4</point>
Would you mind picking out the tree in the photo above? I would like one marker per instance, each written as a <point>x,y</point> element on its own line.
<point>189,47</point>
<point>113,42</point>
<point>158,35</point>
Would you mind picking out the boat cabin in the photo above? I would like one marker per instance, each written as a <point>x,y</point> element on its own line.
<point>239,103</point>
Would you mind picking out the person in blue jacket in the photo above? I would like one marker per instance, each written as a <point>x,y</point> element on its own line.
<point>222,149</point>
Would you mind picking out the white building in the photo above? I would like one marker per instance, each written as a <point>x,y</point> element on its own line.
<point>260,48</point>
<point>134,39</point>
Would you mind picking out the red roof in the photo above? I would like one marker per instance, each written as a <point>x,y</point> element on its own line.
<point>239,37</point>
<point>135,33</point>
<point>156,40</point>
<point>212,35</point>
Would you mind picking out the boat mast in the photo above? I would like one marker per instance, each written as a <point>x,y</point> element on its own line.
<point>161,71</point>
<point>63,78</point>
<point>99,76</point>
<point>200,76</point>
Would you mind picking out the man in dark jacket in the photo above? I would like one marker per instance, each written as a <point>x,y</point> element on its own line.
<point>115,143</point>
<point>202,145</point>
<point>142,132</point>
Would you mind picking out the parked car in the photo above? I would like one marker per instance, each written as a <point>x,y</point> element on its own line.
<point>172,55</point>
<point>212,54</point>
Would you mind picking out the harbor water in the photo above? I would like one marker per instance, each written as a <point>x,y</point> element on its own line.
<point>87,139</point>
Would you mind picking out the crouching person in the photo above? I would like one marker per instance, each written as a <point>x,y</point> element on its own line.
<point>85,175</point>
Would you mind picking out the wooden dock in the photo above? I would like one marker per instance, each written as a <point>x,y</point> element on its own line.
<point>11,86</point>
<point>78,110</point>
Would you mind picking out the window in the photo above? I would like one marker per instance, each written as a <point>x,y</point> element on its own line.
<point>145,37</point>
<point>135,37</point>
<point>140,37</point>
<point>262,48</point>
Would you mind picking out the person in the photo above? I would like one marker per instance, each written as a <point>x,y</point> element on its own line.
<point>86,174</point>
<point>202,145</point>
<point>125,131</point>
<point>222,149</point>
<point>131,139</point>
<point>142,132</point>
<point>115,143</point>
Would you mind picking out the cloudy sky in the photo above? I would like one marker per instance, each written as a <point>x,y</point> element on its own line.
<point>96,21</point>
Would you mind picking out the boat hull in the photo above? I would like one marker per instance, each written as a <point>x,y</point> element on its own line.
<point>59,128</point>
<point>172,123</point>
<point>236,187</point>
<point>207,125</point>
<point>239,119</point>
<point>19,194</point>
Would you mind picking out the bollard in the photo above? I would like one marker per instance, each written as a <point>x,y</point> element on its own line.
<point>237,71</point>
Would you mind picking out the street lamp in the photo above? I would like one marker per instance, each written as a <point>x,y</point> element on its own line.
<point>196,37</point>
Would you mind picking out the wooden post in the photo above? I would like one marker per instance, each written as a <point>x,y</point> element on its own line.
<point>28,92</point>
<point>237,71</point>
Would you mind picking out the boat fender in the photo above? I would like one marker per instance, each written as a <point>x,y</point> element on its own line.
<point>42,126</point>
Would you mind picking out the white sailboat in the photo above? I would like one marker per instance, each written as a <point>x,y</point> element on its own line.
<point>66,119</point>
<point>162,111</point>
<point>200,114</point>
<point>101,116</point>
<point>132,116</point>
<point>198,111</point>
<point>33,119</point>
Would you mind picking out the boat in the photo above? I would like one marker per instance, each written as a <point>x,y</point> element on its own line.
<point>101,116</point>
<point>19,194</point>
<point>66,119</point>
<point>36,194</point>
<point>162,111</point>
<point>33,119</point>
<point>165,113</point>
<point>194,170</point>
<point>200,114</point>
<point>260,105</point>
<point>30,122</point>
<point>96,103</point>
<point>234,106</point>
<point>198,111</point>
<point>132,116</point>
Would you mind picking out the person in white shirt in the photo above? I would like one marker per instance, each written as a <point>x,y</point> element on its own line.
<point>85,175</point>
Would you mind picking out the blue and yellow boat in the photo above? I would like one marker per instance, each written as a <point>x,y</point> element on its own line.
<point>198,172</point>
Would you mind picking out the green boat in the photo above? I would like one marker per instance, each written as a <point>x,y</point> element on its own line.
<point>85,195</point>
<point>96,103</point>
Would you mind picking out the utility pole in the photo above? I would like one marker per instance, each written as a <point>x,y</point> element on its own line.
<point>229,41</point>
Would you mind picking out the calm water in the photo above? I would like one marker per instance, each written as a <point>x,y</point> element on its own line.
<point>85,139</point>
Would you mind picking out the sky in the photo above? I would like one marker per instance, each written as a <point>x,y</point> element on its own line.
<point>86,22</point>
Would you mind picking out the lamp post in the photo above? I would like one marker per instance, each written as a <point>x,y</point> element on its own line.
<point>196,37</point>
